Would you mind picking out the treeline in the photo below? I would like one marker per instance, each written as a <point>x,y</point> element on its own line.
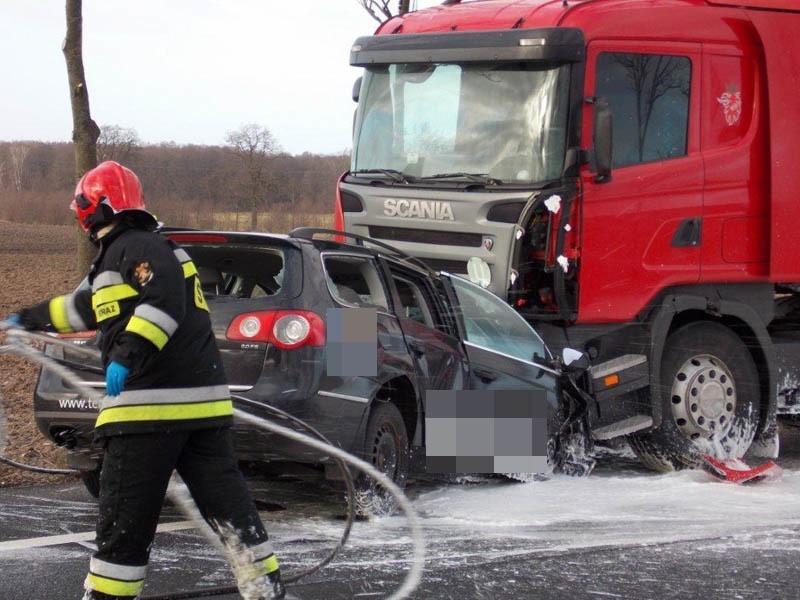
<point>192,186</point>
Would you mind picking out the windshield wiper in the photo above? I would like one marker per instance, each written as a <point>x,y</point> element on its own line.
<point>393,174</point>
<point>476,177</point>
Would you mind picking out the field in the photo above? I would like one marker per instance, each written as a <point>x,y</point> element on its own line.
<point>36,262</point>
<point>278,222</point>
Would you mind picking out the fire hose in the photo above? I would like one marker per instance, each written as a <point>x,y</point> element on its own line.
<point>19,343</point>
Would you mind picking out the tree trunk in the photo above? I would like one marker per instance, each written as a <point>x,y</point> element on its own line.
<point>18,153</point>
<point>254,217</point>
<point>84,130</point>
<point>403,7</point>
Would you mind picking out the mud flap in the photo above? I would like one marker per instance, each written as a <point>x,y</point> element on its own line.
<point>734,470</point>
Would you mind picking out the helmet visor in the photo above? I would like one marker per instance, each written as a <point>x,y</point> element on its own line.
<point>81,202</point>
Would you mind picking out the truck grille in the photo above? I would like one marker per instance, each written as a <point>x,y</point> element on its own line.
<point>426,236</point>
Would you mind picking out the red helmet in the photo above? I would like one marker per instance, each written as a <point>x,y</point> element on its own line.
<point>105,191</point>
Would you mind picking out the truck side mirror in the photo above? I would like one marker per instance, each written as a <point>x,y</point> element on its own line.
<point>603,133</point>
<point>356,89</point>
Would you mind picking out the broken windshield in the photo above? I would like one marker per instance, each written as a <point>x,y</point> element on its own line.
<point>505,121</point>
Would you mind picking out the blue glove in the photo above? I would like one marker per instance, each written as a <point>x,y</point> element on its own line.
<point>115,378</point>
<point>13,320</point>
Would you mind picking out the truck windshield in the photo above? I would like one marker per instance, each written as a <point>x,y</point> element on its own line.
<point>505,122</point>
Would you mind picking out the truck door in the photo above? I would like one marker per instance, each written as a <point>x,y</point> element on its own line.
<point>642,230</point>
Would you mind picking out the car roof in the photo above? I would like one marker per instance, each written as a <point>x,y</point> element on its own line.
<point>299,237</point>
<point>372,246</point>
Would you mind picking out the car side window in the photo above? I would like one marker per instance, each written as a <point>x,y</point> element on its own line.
<point>354,281</point>
<point>492,324</point>
<point>412,302</point>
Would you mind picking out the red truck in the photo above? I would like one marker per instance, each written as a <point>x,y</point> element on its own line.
<point>620,171</point>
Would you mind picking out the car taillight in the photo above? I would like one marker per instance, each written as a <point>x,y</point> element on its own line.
<point>198,238</point>
<point>78,335</point>
<point>287,329</point>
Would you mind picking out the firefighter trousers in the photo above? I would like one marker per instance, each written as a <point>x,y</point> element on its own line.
<point>133,482</point>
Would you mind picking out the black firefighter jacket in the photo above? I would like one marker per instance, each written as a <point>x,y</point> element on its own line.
<point>146,301</point>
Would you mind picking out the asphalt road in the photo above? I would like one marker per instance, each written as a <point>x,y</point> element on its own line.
<point>46,535</point>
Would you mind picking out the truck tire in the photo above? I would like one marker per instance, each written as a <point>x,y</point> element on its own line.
<point>711,399</point>
<point>91,481</point>
<point>790,420</point>
<point>386,448</point>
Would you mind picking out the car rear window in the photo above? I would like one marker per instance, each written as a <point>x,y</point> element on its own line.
<point>241,271</point>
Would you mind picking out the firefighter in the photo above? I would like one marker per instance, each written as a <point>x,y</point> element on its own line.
<point>167,405</point>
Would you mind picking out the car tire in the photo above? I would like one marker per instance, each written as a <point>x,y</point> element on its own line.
<point>386,448</point>
<point>91,481</point>
<point>710,399</point>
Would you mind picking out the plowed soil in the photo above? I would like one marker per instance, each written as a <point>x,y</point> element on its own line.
<point>36,263</point>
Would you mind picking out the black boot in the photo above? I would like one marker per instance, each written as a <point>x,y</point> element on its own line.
<point>274,583</point>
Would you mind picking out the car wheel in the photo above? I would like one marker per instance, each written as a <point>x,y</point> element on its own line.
<point>91,481</point>
<point>386,448</point>
<point>710,399</point>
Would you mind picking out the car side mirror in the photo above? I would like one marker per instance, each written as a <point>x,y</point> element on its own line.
<point>574,361</point>
<point>356,89</point>
<point>541,360</point>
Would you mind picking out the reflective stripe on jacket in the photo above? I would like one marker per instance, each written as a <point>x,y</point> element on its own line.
<point>147,304</point>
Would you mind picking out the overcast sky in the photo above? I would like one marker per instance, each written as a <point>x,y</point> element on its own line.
<point>187,71</point>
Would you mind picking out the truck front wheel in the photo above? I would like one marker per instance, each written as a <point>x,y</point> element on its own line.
<point>710,398</point>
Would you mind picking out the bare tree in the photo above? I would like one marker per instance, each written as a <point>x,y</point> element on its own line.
<point>18,153</point>
<point>380,10</point>
<point>84,130</point>
<point>254,145</point>
<point>651,76</point>
<point>117,143</point>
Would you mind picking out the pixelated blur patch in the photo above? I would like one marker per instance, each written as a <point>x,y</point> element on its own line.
<point>351,345</point>
<point>475,431</point>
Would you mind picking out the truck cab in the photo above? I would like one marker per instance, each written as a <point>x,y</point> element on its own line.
<point>615,171</point>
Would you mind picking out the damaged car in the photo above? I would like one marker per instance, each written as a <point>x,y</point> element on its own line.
<point>282,308</point>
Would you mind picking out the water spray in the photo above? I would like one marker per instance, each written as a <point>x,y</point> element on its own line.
<point>19,343</point>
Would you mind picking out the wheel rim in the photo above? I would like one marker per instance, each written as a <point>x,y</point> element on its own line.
<point>703,397</point>
<point>384,450</point>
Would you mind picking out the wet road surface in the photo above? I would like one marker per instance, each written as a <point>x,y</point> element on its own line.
<point>623,532</point>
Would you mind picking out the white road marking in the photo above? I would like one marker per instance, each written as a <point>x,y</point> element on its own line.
<point>70,538</point>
